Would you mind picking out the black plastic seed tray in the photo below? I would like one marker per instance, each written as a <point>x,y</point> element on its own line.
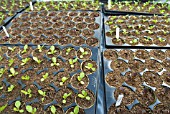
<point>21,84</point>
<point>33,34</point>
<point>131,72</point>
<point>129,29</point>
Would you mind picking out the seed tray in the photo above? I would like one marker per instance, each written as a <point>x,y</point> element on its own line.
<point>138,7</point>
<point>37,71</point>
<point>132,33</point>
<point>123,82</point>
<point>55,32</point>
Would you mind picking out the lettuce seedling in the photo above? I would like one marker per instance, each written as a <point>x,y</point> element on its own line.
<point>26,77</point>
<point>54,60</point>
<point>10,88</point>
<point>83,52</point>
<point>72,62</point>
<point>17,107</point>
<point>84,95</point>
<point>12,49</point>
<point>30,109</point>
<point>90,66</point>
<point>52,50</point>
<point>68,51</point>
<point>1,58</point>
<point>28,92</point>
<point>40,48</point>
<point>2,108</point>
<point>45,76</point>
<point>42,94</point>
<point>1,87</point>
<point>53,109</point>
<point>24,61</point>
<point>11,61</point>
<point>13,72</point>
<point>80,77</point>
<point>2,71</point>
<point>64,79</point>
<point>76,110</point>
<point>161,39</point>
<point>134,41</point>
<point>65,96</point>
<point>25,49</point>
<point>37,60</point>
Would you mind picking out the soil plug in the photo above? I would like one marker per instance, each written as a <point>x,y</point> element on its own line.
<point>146,85</point>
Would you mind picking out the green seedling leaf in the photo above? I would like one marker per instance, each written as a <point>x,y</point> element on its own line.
<point>10,88</point>
<point>2,108</point>
<point>88,98</point>
<point>1,58</point>
<point>26,77</point>
<point>13,73</point>
<point>2,71</point>
<point>17,104</point>
<point>37,60</point>
<point>42,93</point>
<point>40,48</point>
<point>81,49</point>
<point>53,109</point>
<point>11,49</point>
<point>84,92</point>
<point>45,76</point>
<point>25,49</point>
<point>28,92</point>
<point>54,60</point>
<point>11,61</point>
<point>1,87</point>
<point>68,51</point>
<point>76,110</point>
<point>24,61</point>
<point>29,108</point>
<point>81,96</point>
<point>75,60</point>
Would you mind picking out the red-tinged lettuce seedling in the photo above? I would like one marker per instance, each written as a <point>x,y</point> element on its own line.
<point>2,71</point>
<point>52,50</point>
<point>17,107</point>
<point>44,77</point>
<point>10,88</point>
<point>42,93</point>
<point>26,77</point>
<point>65,96</point>
<point>25,49</point>
<point>72,62</point>
<point>11,61</point>
<point>84,95</point>
<point>30,109</point>
<point>64,79</point>
<point>54,60</point>
<point>90,66</point>
<point>76,110</point>
<point>13,72</point>
<point>2,108</point>
<point>24,61</point>
<point>28,92</point>
<point>80,77</point>
<point>83,52</point>
<point>37,60</point>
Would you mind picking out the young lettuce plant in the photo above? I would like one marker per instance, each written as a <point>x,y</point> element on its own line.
<point>13,72</point>
<point>24,61</point>
<point>37,60</point>
<point>83,52</point>
<point>72,62</point>
<point>40,48</point>
<point>76,110</point>
<point>54,60</point>
<point>30,109</point>
<point>43,94</point>
<point>10,88</point>
<point>80,77</point>
<point>44,77</point>
<point>12,49</point>
<point>2,108</point>
<point>2,71</point>
<point>90,66</point>
<point>26,77</point>
<point>52,50</point>
<point>64,79</point>
<point>28,92</point>
<point>17,107</point>
<point>25,49</point>
<point>68,50</point>
<point>53,109</point>
<point>65,96</point>
<point>84,95</point>
<point>11,61</point>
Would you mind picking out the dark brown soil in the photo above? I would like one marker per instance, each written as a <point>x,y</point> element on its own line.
<point>76,83</point>
<point>78,41</point>
<point>87,33</point>
<point>89,19</point>
<point>72,69</point>
<point>93,26</point>
<point>118,110</point>
<point>74,32</point>
<point>110,54</point>
<point>81,25</point>
<point>119,64</point>
<point>58,79</point>
<point>69,24</point>
<point>166,77</point>
<point>81,111</point>
<point>126,54</point>
<point>142,54</point>
<point>136,65</point>
<point>140,109</point>
<point>154,65</point>
<point>69,100</point>
<point>94,14</point>
<point>83,103</point>
<point>70,54</point>
<point>64,40</point>
<point>58,24</point>
<point>85,56</point>
<point>86,70</point>
<point>92,42</point>
<point>166,64</point>
<point>73,14</point>
<point>114,79</point>
<point>78,19</point>
<point>157,54</point>
<point>51,40</point>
